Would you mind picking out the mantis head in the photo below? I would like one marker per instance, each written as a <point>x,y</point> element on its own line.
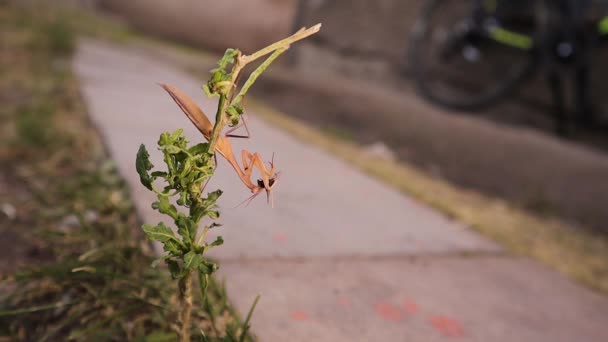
<point>268,187</point>
<point>268,181</point>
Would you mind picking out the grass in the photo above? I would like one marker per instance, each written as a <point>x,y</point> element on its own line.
<point>76,266</point>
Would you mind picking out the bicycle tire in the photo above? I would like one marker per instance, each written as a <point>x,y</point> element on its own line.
<point>491,95</point>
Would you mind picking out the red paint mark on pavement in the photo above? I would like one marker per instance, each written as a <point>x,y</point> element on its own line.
<point>279,237</point>
<point>410,306</point>
<point>299,316</point>
<point>343,301</point>
<point>388,311</point>
<point>447,326</point>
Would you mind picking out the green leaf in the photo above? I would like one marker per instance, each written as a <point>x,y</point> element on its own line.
<point>164,139</point>
<point>207,267</point>
<point>156,174</point>
<point>171,149</point>
<point>208,92</point>
<point>192,260</point>
<point>184,228</point>
<point>218,242</point>
<point>177,134</point>
<point>235,111</point>
<point>213,214</point>
<point>213,196</point>
<point>198,148</point>
<point>165,207</point>
<point>176,271</point>
<point>173,247</point>
<point>183,198</point>
<point>213,225</point>
<point>186,168</point>
<point>228,58</point>
<point>143,165</point>
<point>245,327</point>
<point>160,232</point>
<point>218,75</point>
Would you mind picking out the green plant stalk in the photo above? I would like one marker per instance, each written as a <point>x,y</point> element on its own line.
<point>241,62</point>
<point>284,43</point>
<point>246,325</point>
<point>219,116</point>
<point>219,123</point>
<point>255,74</point>
<point>185,292</point>
<point>203,282</point>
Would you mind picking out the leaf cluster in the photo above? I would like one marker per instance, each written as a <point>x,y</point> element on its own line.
<point>222,82</point>
<point>221,79</point>
<point>187,171</point>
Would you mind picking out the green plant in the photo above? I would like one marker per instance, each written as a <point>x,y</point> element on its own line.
<point>34,125</point>
<point>188,169</point>
<point>78,270</point>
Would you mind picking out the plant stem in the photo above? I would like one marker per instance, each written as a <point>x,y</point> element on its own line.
<point>284,43</point>
<point>185,294</point>
<point>255,74</point>
<point>203,282</point>
<point>240,63</point>
<point>219,123</point>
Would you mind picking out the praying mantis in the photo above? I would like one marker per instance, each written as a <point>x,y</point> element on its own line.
<point>224,148</point>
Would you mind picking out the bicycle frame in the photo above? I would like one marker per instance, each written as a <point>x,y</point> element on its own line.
<point>485,8</point>
<point>541,35</point>
<point>484,15</point>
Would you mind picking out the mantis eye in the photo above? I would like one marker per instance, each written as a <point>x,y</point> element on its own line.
<point>261,184</point>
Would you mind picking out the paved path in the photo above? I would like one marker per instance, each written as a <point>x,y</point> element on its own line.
<point>341,257</point>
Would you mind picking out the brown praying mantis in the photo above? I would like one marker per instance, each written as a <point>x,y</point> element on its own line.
<point>224,148</point>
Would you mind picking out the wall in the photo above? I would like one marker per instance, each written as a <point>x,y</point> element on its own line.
<point>247,24</point>
<point>360,38</point>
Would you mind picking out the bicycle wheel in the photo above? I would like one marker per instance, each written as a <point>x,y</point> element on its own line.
<point>466,56</point>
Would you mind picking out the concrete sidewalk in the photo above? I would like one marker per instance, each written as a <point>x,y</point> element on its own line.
<point>341,257</point>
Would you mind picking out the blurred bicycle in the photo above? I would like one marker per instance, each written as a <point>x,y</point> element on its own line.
<point>468,55</point>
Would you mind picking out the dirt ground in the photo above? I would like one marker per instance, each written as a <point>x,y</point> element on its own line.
<point>16,222</point>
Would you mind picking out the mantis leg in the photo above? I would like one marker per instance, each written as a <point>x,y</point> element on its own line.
<point>247,159</point>
<point>243,123</point>
<point>251,161</point>
<point>266,175</point>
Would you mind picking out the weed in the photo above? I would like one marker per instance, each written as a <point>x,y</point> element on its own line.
<point>34,125</point>
<point>189,168</point>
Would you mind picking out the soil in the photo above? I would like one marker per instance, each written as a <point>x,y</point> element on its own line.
<point>17,248</point>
